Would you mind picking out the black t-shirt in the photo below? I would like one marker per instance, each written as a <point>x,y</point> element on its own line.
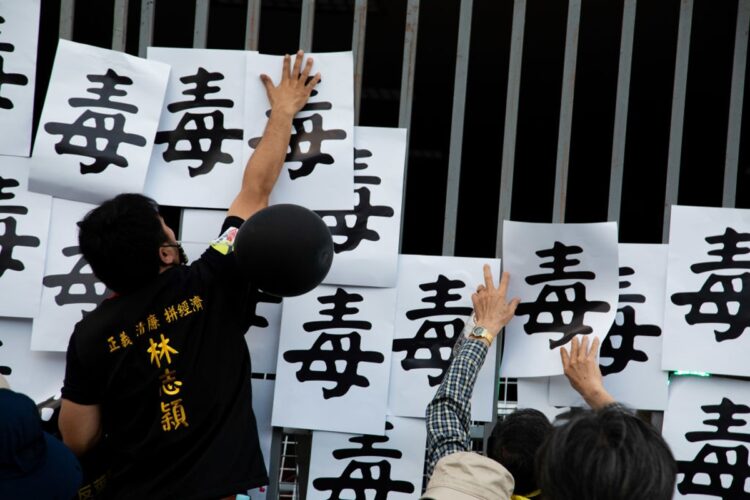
<point>170,368</point>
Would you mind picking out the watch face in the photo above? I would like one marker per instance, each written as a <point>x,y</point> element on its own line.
<point>478,331</point>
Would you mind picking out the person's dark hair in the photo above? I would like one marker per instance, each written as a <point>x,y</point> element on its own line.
<point>514,443</point>
<point>120,239</point>
<point>606,454</point>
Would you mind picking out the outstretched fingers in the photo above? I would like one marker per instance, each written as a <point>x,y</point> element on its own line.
<point>285,71</point>
<point>297,64</point>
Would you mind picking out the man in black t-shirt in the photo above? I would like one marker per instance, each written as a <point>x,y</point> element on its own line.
<point>161,368</point>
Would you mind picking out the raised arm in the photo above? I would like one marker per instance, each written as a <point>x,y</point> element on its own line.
<point>449,412</point>
<point>264,166</point>
<point>581,366</point>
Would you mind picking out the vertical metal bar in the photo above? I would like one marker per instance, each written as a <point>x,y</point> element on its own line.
<point>678,112</point>
<point>566,111</point>
<point>621,110</point>
<point>735,103</point>
<point>408,67</point>
<point>275,462</point>
<point>146,32</point>
<point>511,120</point>
<point>67,15</point>
<point>457,127</point>
<point>120,25</point>
<point>358,49</point>
<point>306,26</point>
<point>200,29</point>
<point>252,26</point>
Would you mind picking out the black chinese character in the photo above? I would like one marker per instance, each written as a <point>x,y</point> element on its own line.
<point>718,462</point>
<point>95,127</point>
<point>723,298</point>
<point>75,277</point>
<point>357,232</point>
<point>434,335</point>
<point>331,348</point>
<point>567,304</point>
<point>9,78</point>
<point>5,370</point>
<point>9,239</point>
<point>314,137</point>
<point>626,331</point>
<point>256,297</point>
<point>197,128</point>
<point>360,476</point>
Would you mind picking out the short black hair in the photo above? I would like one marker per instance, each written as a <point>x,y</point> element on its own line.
<point>606,454</point>
<point>514,443</point>
<point>120,240</point>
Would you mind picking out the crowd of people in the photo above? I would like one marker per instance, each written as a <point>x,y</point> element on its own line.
<point>170,395</point>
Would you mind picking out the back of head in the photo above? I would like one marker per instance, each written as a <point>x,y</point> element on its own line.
<point>515,441</point>
<point>606,454</point>
<point>120,239</point>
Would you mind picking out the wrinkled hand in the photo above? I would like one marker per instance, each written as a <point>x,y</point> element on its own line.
<point>291,94</point>
<point>491,309</point>
<point>581,366</point>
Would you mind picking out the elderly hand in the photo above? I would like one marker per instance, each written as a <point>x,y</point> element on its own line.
<point>291,94</point>
<point>491,309</point>
<point>581,367</point>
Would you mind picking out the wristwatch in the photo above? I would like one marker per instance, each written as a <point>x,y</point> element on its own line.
<point>480,332</point>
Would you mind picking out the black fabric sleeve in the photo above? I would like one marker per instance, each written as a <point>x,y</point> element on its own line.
<point>81,386</point>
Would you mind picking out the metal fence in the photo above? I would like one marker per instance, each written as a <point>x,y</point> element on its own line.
<point>512,75</point>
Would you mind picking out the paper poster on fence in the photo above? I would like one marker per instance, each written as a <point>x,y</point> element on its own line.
<point>262,405</point>
<point>333,366</point>
<point>19,34</point>
<point>566,278</point>
<point>630,354</point>
<point>318,172</point>
<point>707,428</point>
<point>708,291</point>
<point>199,227</point>
<point>39,375</point>
<point>366,236</point>
<point>387,466</point>
<point>434,301</point>
<point>24,224</point>
<point>98,123</point>
<point>70,289</point>
<point>534,393</point>
<point>197,155</point>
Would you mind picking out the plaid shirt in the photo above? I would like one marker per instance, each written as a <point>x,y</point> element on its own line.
<point>449,412</point>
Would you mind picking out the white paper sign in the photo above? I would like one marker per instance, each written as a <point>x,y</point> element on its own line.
<point>333,365</point>
<point>24,224</point>
<point>706,427</point>
<point>352,466</point>
<point>319,168</point>
<point>366,237</point>
<point>98,123</point>
<point>708,291</point>
<point>39,375</point>
<point>70,287</point>
<point>630,355</point>
<point>19,33</point>
<point>533,393</point>
<point>566,278</point>
<point>434,300</point>
<point>197,156</point>
<point>197,229</point>
<point>262,405</point>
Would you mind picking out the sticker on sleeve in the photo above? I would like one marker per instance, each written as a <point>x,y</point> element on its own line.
<point>225,243</point>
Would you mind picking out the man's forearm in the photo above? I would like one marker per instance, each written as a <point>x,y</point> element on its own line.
<point>265,164</point>
<point>449,412</point>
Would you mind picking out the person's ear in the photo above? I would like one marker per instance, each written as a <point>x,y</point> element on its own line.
<point>166,256</point>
